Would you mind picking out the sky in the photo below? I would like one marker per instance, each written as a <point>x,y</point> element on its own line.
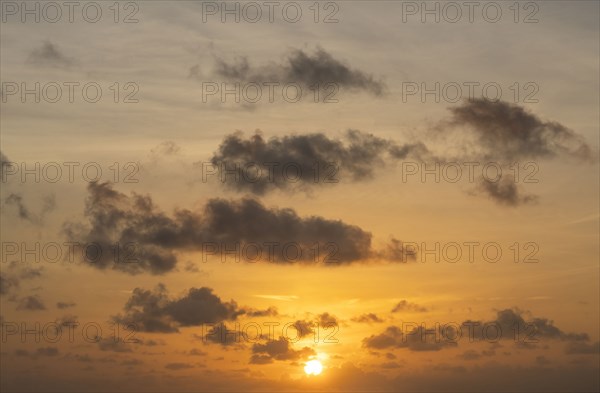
<point>299,196</point>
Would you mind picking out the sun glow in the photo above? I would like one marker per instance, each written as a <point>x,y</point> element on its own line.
<point>313,367</point>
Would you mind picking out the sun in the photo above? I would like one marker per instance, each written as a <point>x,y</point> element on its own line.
<point>313,367</point>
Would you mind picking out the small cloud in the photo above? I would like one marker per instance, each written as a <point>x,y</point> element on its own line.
<point>367,318</point>
<point>63,305</point>
<point>178,366</point>
<point>31,303</point>
<point>404,305</point>
<point>48,54</point>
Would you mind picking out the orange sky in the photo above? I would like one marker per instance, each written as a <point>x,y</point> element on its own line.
<point>164,141</point>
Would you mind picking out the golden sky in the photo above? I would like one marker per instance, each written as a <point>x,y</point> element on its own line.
<point>299,196</point>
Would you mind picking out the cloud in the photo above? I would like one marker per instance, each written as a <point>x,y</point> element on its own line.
<point>305,69</point>
<point>269,312</point>
<point>502,132</point>
<point>279,349</point>
<point>44,351</point>
<point>178,366</point>
<point>114,344</point>
<point>155,311</point>
<point>303,161</point>
<point>15,199</point>
<point>417,339</point>
<point>3,159</point>
<point>47,351</point>
<point>367,318</point>
<point>509,324</point>
<point>509,132</point>
<point>326,319</point>
<point>31,303</point>
<point>582,348</point>
<point>132,362</point>
<point>267,234</point>
<point>404,305</point>
<point>505,132</point>
<point>166,148</point>
<point>63,305</point>
<point>67,320</point>
<point>7,283</point>
<point>390,365</point>
<point>219,334</point>
<point>14,273</point>
<point>505,191</point>
<point>49,55</point>
<point>307,327</point>
<point>304,328</point>
<point>498,131</point>
<point>471,354</point>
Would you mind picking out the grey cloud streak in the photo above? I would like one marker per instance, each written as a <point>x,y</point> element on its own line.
<point>495,131</point>
<point>305,69</point>
<point>316,156</point>
<point>114,217</point>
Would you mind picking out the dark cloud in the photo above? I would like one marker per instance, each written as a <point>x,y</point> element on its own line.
<point>367,318</point>
<point>7,283</point>
<point>404,305</point>
<point>325,319</point>
<point>220,334</point>
<point>417,339</point>
<point>15,199</point>
<point>508,132</point>
<point>582,348</point>
<point>510,325</point>
<point>83,358</point>
<point>166,148</point>
<point>14,273</point>
<point>295,162</point>
<point>246,224</point>
<point>3,159</point>
<point>505,191</point>
<point>502,132</point>
<point>390,365</point>
<point>178,366</point>
<point>26,272</point>
<point>269,312</point>
<point>155,311</point>
<point>470,354</point>
<point>63,305</point>
<point>542,360</point>
<point>151,343</point>
<point>31,303</point>
<point>47,351</point>
<point>132,362</point>
<point>44,351</point>
<point>494,131</point>
<point>48,54</point>
<point>305,69</point>
<point>114,344</point>
<point>308,327</point>
<point>279,349</point>
<point>304,328</point>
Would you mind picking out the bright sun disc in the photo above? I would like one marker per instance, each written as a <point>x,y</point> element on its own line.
<point>313,367</point>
